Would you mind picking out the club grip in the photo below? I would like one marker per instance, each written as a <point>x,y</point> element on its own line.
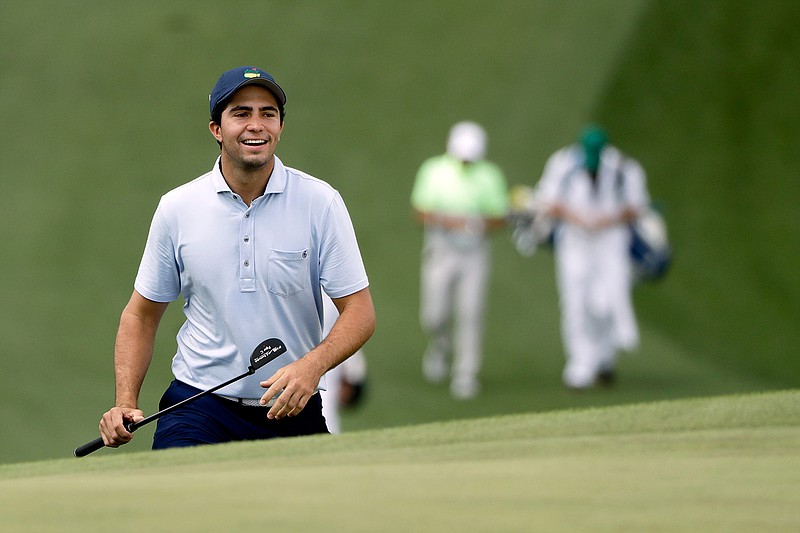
<point>89,447</point>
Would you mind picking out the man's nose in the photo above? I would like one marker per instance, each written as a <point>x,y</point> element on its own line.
<point>255,124</point>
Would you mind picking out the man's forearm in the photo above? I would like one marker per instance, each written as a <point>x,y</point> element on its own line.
<point>133,349</point>
<point>353,328</point>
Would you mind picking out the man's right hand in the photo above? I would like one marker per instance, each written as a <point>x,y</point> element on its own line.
<point>112,425</point>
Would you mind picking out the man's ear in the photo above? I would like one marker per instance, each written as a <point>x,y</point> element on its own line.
<point>215,130</point>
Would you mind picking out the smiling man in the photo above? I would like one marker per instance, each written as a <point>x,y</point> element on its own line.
<point>250,246</point>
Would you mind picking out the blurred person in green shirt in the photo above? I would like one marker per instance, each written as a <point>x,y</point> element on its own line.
<point>459,197</point>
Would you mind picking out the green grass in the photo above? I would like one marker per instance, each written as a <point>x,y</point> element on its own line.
<point>716,464</point>
<point>710,106</point>
<point>105,109</point>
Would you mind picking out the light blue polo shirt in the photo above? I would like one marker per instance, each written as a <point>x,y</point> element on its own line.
<point>247,274</point>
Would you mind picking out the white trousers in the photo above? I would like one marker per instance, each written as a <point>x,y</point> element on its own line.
<point>353,370</point>
<point>597,316</point>
<point>454,285</point>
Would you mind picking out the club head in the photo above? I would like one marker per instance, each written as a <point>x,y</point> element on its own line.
<point>267,351</point>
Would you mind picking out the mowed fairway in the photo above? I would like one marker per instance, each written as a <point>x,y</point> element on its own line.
<point>716,464</point>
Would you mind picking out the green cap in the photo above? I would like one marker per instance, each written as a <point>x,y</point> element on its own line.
<point>593,139</point>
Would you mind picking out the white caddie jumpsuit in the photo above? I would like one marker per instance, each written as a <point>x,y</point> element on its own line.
<point>594,271</point>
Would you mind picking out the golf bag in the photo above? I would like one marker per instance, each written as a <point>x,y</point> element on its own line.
<point>530,227</point>
<point>650,251</point>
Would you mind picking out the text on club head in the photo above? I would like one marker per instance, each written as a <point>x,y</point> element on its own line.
<point>267,351</point>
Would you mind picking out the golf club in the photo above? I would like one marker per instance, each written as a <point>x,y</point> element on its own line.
<point>267,351</point>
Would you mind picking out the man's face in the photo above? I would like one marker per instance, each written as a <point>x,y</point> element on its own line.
<point>250,128</point>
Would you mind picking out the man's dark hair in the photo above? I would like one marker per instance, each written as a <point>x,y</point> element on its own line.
<point>216,116</point>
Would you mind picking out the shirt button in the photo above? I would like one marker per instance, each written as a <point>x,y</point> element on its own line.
<point>247,263</point>
<point>247,239</point>
<point>247,215</point>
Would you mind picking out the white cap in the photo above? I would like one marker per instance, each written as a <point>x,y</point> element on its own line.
<point>467,141</point>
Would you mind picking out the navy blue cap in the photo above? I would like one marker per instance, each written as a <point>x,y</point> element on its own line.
<point>233,80</point>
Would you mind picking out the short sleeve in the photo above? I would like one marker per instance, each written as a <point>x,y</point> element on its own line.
<point>158,278</point>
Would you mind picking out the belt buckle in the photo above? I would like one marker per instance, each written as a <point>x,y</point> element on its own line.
<point>250,402</point>
<point>246,402</point>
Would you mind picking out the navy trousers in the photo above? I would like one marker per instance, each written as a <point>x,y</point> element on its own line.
<point>212,420</point>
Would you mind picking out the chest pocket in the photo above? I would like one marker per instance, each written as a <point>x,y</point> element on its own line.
<point>288,272</point>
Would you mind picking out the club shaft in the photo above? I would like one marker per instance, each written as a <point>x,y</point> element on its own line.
<point>155,416</point>
<point>96,444</point>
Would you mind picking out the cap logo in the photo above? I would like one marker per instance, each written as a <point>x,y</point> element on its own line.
<point>252,73</point>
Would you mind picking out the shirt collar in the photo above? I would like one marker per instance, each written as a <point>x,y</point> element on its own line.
<point>277,181</point>
<point>219,183</point>
<point>276,184</point>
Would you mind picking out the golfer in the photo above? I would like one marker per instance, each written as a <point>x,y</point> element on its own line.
<point>249,246</point>
<point>459,197</point>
